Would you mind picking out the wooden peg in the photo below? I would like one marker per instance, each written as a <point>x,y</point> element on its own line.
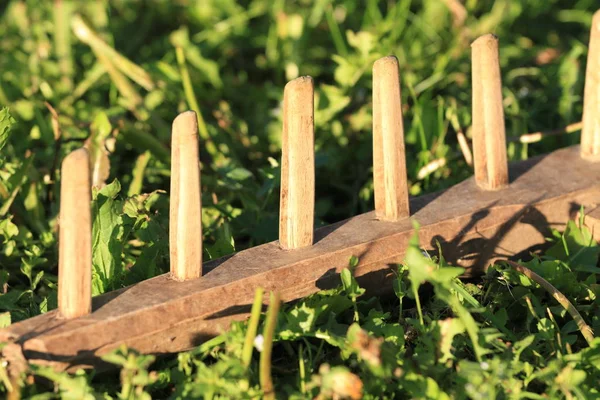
<point>297,196</point>
<point>389,160</point>
<point>185,217</point>
<point>590,133</point>
<point>489,137</point>
<point>75,237</point>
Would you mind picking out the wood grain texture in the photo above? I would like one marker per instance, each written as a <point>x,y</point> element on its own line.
<point>75,237</point>
<point>590,133</point>
<point>185,215</point>
<point>489,137</point>
<point>472,226</point>
<point>389,160</point>
<point>297,195</point>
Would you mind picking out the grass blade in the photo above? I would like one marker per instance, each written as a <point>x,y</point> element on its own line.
<point>129,68</point>
<point>252,327</point>
<point>266,381</point>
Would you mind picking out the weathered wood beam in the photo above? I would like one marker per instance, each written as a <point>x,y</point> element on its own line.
<point>472,225</point>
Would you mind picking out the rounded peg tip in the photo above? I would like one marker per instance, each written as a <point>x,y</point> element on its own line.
<point>301,83</point>
<point>76,158</point>
<point>487,39</point>
<point>298,96</point>
<point>185,123</point>
<point>385,61</point>
<point>596,22</point>
<point>385,64</point>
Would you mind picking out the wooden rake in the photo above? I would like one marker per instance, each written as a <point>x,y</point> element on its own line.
<point>505,211</point>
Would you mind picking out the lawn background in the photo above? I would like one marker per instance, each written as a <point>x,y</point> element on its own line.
<point>229,61</point>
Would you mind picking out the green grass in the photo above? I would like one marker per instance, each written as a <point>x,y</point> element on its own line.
<point>113,75</point>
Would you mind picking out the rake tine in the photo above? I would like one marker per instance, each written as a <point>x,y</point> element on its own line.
<point>489,138</point>
<point>185,216</point>
<point>297,197</point>
<point>590,133</point>
<point>75,237</point>
<point>389,160</point>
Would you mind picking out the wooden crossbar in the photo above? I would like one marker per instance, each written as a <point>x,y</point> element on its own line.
<point>503,211</point>
<point>473,227</point>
